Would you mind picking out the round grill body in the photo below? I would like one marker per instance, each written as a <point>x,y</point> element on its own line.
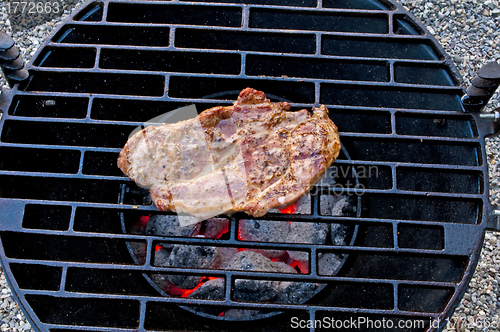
<point>113,65</point>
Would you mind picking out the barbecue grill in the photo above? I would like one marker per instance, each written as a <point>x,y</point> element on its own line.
<point>66,210</point>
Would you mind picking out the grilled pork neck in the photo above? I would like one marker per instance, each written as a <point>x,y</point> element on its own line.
<point>251,157</point>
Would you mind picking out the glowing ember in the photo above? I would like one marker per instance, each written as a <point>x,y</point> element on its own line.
<point>176,291</point>
<point>144,219</point>
<point>291,209</point>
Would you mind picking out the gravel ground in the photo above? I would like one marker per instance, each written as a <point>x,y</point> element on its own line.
<point>469,31</point>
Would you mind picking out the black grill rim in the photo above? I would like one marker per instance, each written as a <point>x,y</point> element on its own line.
<point>475,237</point>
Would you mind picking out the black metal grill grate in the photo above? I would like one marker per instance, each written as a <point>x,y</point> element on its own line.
<point>388,85</point>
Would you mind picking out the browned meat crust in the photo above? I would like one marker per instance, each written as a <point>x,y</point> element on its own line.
<point>252,157</point>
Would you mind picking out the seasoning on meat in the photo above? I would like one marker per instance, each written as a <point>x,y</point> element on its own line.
<point>252,156</point>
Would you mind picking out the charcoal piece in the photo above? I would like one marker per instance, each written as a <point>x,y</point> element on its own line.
<point>161,280</point>
<point>169,225</point>
<point>283,268</point>
<point>210,290</point>
<point>253,290</point>
<point>292,292</point>
<point>338,234</point>
<point>191,257</point>
<point>306,232</point>
<point>239,314</point>
<point>328,263</point>
<point>161,256</point>
<point>139,251</point>
<point>213,228</point>
<point>226,254</point>
<point>138,228</point>
<point>248,260</point>
<point>138,248</point>
<point>333,205</point>
<point>264,231</point>
<point>304,204</point>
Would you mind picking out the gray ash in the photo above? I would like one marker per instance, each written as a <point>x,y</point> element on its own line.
<point>211,290</point>
<point>241,314</point>
<point>168,225</point>
<point>226,254</point>
<point>264,231</point>
<point>328,263</point>
<point>306,232</point>
<point>292,292</point>
<point>251,289</point>
<point>191,257</point>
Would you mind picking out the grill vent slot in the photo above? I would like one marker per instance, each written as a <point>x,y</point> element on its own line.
<point>437,181</point>
<point>47,217</point>
<point>92,13</point>
<point>66,57</point>
<point>174,14</point>
<point>59,189</point>
<point>406,151</point>
<point>90,312</point>
<point>37,160</point>
<point>31,276</point>
<point>189,62</point>
<point>420,237</point>
<point>410,208</point>
<point>316,68</point>
<point>246,41</point>
<point>60,133</point>
<point>419,74</point>
<point>417,298</point>
<point>121,84</point>
<point>113,35</point>
<point>389,97</point>
<point>194,87</point>
<point>289,20</point>
<point>366,5</point>
<point>49,107</point>
<point>65,248</point>
<point>378,48</point>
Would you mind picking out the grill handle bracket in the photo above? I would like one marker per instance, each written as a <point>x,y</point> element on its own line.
<point>488,124</point>
<point>482,87</point>
<point>11,62</point>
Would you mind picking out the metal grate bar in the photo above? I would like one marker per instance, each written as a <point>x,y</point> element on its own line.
<point>239,243</point>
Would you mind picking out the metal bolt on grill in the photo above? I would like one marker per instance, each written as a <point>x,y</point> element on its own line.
<point>66,211</point>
